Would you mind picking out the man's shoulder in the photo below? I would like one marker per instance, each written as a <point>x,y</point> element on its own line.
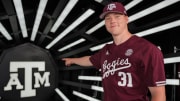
<point>144,41</point>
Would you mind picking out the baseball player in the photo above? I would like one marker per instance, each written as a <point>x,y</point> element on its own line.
<point>131,66</point>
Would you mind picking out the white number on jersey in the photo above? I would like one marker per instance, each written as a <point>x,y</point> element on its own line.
<point>126,79</point>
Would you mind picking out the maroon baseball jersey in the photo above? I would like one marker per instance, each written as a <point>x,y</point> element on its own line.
<point>129,69</point>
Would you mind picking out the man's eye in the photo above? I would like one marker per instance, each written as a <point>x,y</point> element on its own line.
<point>107,18</point>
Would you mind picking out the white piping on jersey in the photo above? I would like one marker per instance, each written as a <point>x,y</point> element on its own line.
<point>160,83</point>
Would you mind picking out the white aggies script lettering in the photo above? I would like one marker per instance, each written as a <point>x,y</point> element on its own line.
<point>111,68</point>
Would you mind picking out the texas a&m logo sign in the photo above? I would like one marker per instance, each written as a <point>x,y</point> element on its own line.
<point>27,89</point>
<point>27,73</point>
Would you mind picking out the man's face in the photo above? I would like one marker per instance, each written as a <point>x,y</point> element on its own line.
<point>116,23</point>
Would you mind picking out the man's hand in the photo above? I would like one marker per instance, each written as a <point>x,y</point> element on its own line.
<point>82,61</point>
<point>68,61</point>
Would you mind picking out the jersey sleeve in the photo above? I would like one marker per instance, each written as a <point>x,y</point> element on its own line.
<point>154,68</point>
<point>96,58</point>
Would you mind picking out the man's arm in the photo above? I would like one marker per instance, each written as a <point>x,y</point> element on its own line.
<point>158,93</point>
<point>82,61</point>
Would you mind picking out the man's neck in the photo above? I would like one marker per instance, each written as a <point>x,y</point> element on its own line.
<point>121,38</point>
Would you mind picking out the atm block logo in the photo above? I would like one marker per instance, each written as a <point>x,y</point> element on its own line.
<point>27,73</point>
<point>27,89</point>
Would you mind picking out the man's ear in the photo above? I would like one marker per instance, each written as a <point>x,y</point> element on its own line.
<point>127,19</point>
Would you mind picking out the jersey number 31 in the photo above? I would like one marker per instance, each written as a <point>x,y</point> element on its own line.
<point>126,79</point>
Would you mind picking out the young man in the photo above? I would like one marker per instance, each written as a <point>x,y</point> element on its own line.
<point>131,66</point>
